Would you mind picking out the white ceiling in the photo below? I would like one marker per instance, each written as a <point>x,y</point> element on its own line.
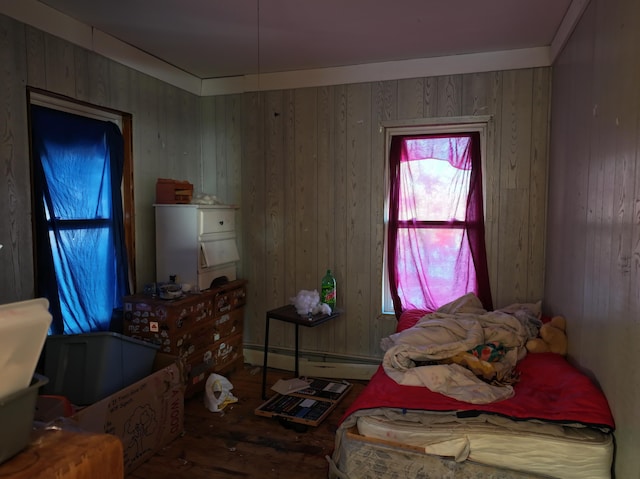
<point>225,38</point>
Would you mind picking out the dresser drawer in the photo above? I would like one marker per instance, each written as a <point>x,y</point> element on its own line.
<point>218,252</point>
<point>155,320</point>
<point>222,327</point>
<point>216,220</point>
<point>228,300</point>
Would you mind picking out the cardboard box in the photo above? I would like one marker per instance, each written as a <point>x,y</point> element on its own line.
<point>145,416</point>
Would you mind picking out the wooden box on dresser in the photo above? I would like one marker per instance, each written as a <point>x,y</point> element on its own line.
<point>204,329</point>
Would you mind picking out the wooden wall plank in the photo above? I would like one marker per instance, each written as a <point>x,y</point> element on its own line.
<point>339,331</point>
<point>383,108</point>
<point>306,188</point>
<point>233,156</point>
<point>81,61</point>
<point>410,102</point>
<point>35,56</point>
<point>539,152</point>
<point>187,133</point>
<point>221,147</point>
<point>516,134</point>
<point>307,195</point>
<point>491,177</point>
<point>290,179</point>
<point>359,219</point>
<point>326,201</point>
<point>220,166</point>
<point>253,219</point>
<point>430,97</point>
<point>515,170</point>
<point>98,79</point>
<point>602,148</point>
<point>276,293</point>
<point>209,141</point>
<point>16,282</point>
<point>60,65</point>
<point>449,96</point>
<point>119,82</point>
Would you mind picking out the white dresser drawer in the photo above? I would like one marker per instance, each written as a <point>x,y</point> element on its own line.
<point>218,252</point>
<point>216,220</point>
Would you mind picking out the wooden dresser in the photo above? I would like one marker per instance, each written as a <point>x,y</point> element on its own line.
<point>62,454</point>
<point>204,329</point>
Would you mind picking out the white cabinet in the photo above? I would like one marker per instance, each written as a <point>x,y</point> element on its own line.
<point>196,242</point>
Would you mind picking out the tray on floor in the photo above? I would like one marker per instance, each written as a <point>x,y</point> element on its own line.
<point>308,406</point>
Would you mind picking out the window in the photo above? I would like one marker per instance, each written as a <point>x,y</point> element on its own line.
<point>81,197</point>
<point>435,226</point>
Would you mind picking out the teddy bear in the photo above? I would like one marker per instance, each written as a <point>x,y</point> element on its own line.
<point>552,337</point>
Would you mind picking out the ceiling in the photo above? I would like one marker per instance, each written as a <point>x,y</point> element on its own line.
<point>225,38</point>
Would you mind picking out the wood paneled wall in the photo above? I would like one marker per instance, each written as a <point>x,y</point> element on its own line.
<point>313,167</point>
<point>305,166</point>
<point>166,138</point>
<point>593,260</point>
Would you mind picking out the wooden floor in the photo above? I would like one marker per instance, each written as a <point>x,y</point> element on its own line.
<point>236,443</point>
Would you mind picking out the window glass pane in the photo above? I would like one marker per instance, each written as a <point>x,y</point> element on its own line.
<point>83,257</point>
<point>445,268</point>
<point>77,176</point>
<point>433,190</point>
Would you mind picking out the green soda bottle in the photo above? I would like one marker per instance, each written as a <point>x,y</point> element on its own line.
<point>328,294</point>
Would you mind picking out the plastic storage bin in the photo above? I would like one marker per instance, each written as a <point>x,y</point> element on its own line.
<point>16,416</point>
<point>88,367</point>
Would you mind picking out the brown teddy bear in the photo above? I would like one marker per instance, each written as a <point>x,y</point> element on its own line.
<point>553,337</point>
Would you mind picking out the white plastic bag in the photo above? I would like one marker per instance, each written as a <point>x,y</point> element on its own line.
<point>218,393</point>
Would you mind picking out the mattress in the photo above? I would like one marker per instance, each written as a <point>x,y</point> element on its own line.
<point>546,449</point>
<point>558,424</point>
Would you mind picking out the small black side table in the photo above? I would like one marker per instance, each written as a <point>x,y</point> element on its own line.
<point>289,314</point>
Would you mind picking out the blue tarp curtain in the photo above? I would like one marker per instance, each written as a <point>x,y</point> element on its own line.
<point>81,259</point>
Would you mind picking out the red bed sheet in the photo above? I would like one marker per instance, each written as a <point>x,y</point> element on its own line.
<point>550,389</point>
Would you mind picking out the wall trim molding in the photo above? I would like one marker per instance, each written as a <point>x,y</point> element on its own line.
<point>397,70</point>
<point>569,22</point>
<point>45,18</point>
<point>327,369</point>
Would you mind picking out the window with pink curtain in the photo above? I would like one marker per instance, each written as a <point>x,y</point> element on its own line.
<point>436,247</point>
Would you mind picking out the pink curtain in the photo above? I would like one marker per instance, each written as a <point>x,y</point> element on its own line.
<point>436,246</point>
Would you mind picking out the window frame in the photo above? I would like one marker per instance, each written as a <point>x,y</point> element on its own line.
<point>36,96</point>
<point>432,126</point>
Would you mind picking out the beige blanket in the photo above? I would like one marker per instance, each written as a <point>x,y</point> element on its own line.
<point>457,327</point>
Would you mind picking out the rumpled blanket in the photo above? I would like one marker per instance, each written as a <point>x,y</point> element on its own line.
<point>457,327</point>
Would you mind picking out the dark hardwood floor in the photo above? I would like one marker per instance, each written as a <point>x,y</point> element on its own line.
<point>237,443</point>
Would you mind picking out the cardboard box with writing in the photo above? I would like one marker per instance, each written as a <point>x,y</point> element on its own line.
<point>146,415</point>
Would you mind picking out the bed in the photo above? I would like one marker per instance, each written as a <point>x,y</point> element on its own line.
<point>553,423</point>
